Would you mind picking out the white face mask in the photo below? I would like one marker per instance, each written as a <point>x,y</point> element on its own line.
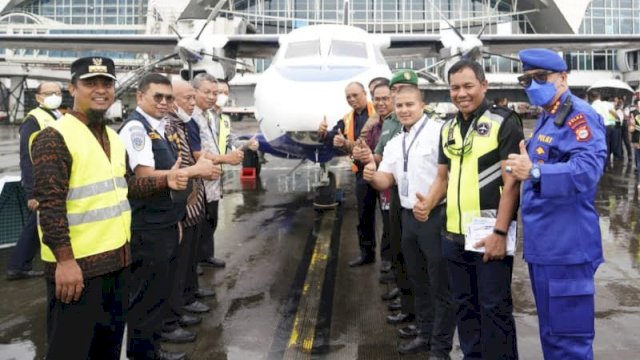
<point>52,102</point>
<point>222,100</point>
<point>182,114</point>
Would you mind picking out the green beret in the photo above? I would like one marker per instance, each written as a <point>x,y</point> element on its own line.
<point>404,77</point>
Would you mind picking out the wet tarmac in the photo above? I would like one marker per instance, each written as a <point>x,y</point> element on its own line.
<point>288,293</point>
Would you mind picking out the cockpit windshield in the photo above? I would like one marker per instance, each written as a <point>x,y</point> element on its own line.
<point>300,49</point>
<point>344,48</point>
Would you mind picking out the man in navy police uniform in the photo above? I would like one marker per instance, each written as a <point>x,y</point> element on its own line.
<point>560,168</point>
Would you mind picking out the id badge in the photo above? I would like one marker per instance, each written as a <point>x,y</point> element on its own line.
<point>404,186</point>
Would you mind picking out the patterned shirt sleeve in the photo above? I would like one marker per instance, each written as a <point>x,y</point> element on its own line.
<point>51,173</point>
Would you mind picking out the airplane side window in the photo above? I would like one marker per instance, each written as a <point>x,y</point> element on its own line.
<point>348,48</point>
<point>302,49</point>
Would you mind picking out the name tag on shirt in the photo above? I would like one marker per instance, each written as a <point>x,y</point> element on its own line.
<point>404,185</point>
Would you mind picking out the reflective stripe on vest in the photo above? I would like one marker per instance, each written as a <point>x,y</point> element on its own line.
<point>98,210</point>
<point>350,126</point>
<point>475,175</point>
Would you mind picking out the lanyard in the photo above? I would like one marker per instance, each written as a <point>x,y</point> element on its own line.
<point>405,150</point>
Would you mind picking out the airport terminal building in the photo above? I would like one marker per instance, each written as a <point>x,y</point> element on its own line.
<point>376,16</point>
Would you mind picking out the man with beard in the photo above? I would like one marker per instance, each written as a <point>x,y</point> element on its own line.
<point>79,168</point>
<point>155,220</point>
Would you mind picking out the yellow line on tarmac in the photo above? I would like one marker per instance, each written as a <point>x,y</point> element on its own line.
<point>304,325</point>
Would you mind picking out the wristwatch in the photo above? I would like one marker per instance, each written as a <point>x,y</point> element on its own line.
<point>534,173</point>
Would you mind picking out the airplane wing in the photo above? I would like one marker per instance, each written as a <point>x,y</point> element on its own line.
<point>429,45</point>
<point>162,44</point>
<point>246,45</point>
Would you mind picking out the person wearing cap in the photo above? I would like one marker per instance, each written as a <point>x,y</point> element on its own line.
<point>560,168</point>
<point>474,147</point>
<point>155,225</point>
<point>343,137</point>
<point>402,291</point>
<point>80,182</point>
<point>49,98</point>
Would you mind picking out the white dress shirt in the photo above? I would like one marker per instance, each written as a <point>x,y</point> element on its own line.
<point>137,141</point>
<point>422,165</point>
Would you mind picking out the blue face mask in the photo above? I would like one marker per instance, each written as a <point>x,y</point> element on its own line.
<point>540,94</point>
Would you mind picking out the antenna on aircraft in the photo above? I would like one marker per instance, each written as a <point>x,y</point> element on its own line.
<point>345,13</point>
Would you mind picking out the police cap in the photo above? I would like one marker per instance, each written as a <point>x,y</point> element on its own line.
<point>87,67</point>
<point>539,58</point>
<point>404,77</point>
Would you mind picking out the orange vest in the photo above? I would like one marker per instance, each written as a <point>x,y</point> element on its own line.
<point>350,126</point>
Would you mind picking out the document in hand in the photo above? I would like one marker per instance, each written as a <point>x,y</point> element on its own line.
<point>481,227</point>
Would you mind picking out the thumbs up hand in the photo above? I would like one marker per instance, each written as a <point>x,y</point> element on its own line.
<point>361,152</point>
<point>322,129</point>
<point>519,165</point>
<point>177,178</point>
<point>369,171</point>
<point>339,140</point>
<point>421,209</point>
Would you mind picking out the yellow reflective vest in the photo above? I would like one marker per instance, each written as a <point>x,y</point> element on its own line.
<point>475,176</point>
<point>223,133</point>
<point>43,118</point>
<point>97,207</point>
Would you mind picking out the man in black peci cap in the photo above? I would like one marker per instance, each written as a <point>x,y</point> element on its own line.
<point>79,168</point>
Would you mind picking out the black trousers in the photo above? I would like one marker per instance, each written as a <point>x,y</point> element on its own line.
<point>385,241</point>
<point>152,252</point>
<point>366,197</point>
<point>482,294</point>
<point>427,269</point>
<point>397,259</point>
<point>92,327</point>
<point>181,269</point>
<point>626,140</point>
<point>28,244</point>
<point>191,278</point>
<point>207,237</point>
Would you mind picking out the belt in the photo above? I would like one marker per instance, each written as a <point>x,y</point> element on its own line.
<point>455,238</point>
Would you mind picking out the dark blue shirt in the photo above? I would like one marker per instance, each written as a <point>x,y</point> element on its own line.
<point>28,127</point>
<point>193,135</point>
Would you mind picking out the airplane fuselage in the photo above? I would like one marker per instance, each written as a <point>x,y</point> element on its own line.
<point>306,83</point>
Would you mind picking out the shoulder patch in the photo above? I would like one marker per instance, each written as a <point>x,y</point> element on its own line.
<point>483,128</point>
<point>583,133</point>
<point>577,121</point>
<point>138,139</point>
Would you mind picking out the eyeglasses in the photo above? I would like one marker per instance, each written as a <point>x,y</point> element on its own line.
<point>49,93</point>
<point>157,97</point>
<point>539,77</point>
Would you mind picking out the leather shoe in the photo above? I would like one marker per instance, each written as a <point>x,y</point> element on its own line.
<point>205,292</point>
<point>23,274</point>
<point>213,262</point>
<point>178,336</point>
<point>385,266</point>
<point>399,318</point>
<point>169,355</point>
<point>408,332</point>
<point>189,320</point>
<point>391,294</point>
<point>196,307</point>
<point>361,260</point>
<point>414,346</point>
<point>394,305</point>
<point>199,270</point>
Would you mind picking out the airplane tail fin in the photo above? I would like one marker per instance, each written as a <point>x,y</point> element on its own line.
<point>345,13</point>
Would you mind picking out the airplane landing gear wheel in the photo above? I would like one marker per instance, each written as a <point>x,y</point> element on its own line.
<point>326,194</point>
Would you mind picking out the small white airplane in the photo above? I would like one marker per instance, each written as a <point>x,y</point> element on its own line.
<point>311,65</point>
